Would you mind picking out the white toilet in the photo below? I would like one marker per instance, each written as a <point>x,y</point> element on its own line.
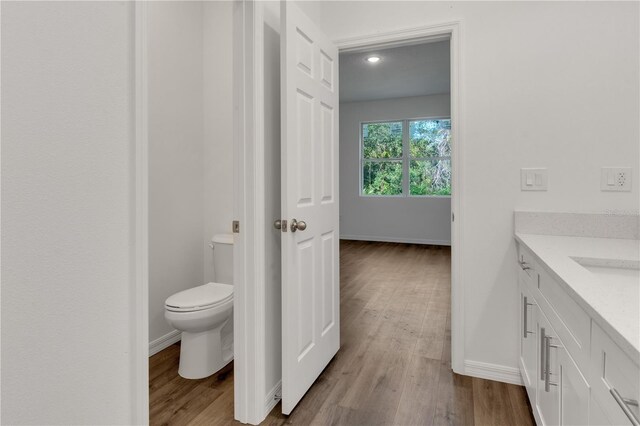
<point>204,314</point>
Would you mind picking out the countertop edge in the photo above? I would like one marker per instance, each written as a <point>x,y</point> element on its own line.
<point>616,336</point>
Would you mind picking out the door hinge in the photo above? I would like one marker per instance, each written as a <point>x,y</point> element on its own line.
<point>235,226</point>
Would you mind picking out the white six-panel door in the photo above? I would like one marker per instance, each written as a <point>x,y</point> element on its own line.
<point>310,257</point>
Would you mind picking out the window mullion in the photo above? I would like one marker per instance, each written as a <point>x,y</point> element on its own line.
<point>382,160</point>
<point>435,158</point>
<point>361,159</point>
<point>405,158</point>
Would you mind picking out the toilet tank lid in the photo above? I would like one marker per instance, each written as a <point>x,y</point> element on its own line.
<point>223,239</point>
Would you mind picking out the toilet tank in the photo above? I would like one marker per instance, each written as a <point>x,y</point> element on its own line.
<point>223,258</point>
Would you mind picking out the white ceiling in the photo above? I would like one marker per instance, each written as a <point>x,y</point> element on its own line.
<point>416,70</point>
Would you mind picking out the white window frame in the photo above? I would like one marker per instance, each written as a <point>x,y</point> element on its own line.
<point>405,159</point>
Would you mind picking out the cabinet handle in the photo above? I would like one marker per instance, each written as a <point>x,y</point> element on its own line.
<point>624,404</point>
<point>525,309</point>
<point>524,265</point>
<point>547,360</point>
<point>543,364</point>
<point>630,401</point>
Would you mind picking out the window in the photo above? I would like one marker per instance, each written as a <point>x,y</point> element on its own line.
<point>382,150</point>
<point>408,157</point>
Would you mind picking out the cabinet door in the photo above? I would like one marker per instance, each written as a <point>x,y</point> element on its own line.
<point>574,391</point>
<point>528,341</point>
<point>547,400</point>
<point>615,381</point>
<point>597,415</point>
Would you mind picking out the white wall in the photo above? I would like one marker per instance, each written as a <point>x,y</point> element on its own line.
<point>551,84</point>
<point>410,219</point>
<point>67,213</point>
<point>218,129</point>
<point>176,151</point>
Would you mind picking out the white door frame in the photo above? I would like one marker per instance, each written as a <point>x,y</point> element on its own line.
<point>251,403</point>
<point>140,233</point>
<point>451,30</point>
<point>251,406</point>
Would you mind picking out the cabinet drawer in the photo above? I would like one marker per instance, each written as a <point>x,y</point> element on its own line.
<point>527,269</point>
<point>571,323</point>
<point>613,372</point>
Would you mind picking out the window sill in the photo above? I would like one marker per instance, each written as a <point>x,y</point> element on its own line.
<point>404,196</point>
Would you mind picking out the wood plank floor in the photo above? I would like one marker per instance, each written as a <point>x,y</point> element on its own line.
<point>393,366</point>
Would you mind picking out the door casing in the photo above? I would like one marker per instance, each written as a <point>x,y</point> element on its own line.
<point>452,31</point>
<point>249,204</point>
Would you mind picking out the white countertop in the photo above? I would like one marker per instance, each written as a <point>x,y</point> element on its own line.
<point>612,302</point>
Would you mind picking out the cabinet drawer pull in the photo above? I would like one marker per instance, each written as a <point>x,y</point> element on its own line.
<point>547,368</point>
<point>525,311</point>
<point>624,404</point>
<point>630,401</point>
<point>543,364</point>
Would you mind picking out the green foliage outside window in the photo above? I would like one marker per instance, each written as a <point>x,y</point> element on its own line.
<point>428,146</point>
<point>430,141</point>
<point>382,141</point>
<point>382,178</point>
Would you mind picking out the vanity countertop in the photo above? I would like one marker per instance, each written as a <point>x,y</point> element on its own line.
<point>612,301</point>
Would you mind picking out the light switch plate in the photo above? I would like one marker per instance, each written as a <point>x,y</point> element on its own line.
<point>535,179</point>
<point>615,179</point>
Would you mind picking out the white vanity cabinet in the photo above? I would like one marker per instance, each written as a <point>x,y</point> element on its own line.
<point>573,372</point>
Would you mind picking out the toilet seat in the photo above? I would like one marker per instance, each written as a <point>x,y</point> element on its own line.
<point>199,298</point>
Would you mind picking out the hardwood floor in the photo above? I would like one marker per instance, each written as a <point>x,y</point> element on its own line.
<point>393,366</point>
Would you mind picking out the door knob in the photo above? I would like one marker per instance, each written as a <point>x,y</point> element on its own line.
<point>277,224</point>
<point>295,225</point>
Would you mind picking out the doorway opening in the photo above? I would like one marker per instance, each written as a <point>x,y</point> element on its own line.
<point>418,185</point>
<point>187,52</point>
<point>393,366</point>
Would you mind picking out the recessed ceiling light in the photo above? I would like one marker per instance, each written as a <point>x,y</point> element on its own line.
<point>373,59</point>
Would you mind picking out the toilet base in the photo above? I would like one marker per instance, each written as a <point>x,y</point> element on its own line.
<point>203,354</point>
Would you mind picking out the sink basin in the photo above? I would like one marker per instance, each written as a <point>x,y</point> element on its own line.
<point>614,271</point>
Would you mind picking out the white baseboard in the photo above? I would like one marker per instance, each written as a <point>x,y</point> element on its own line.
<point>271,400</point>
<point>164,342</point>
<point>499,373</point>
<point>395,240</point>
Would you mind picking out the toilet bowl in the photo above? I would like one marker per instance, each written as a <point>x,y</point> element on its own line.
<point>204,315</point>
<point>201,314</point>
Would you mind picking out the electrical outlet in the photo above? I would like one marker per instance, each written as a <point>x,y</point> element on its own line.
<point>615,179</point>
